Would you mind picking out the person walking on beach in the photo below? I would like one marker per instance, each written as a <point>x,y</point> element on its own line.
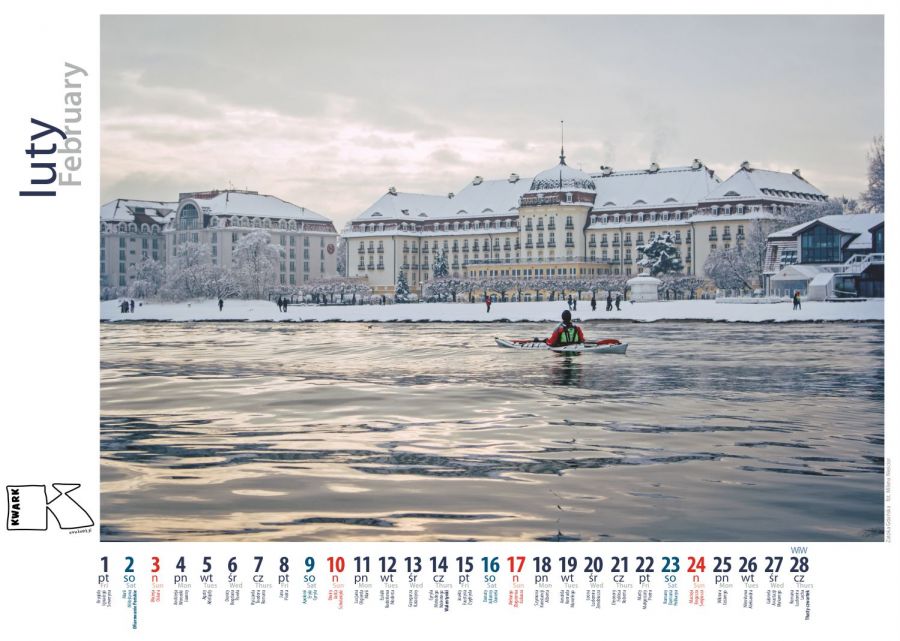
<point>609,301</point>
<point>131,305</point>
<point>221,304</point>
<point>593,302</point>
<point>574,304</point>
<point>487,302</point>
<point>797,300</point>
<point>570,302</point>
<point>618,302</point>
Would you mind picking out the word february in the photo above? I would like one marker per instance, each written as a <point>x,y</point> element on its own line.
<point>43,147</point>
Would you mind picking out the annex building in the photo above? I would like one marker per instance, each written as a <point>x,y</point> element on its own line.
<point>131,230</point>
<point>566,222</point>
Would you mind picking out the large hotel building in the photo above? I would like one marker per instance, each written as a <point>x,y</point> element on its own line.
<point>566,222</point>
<point>133,229</point>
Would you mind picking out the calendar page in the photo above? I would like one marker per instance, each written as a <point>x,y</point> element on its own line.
<point>466,322</point>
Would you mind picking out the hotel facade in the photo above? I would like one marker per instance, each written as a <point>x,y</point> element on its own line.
<point>564,222</point>
<point>131,230</point>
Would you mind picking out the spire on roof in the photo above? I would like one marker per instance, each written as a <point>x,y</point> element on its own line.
<point>562,150</point>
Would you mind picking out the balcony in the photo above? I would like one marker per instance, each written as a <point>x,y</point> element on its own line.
<point>570,243</point>
<point>603,243</point>
<point>404,266</point>
<point>371,266</point>
<point>371,250</point>
<point>740,236</point>
<point>570,226</point>
<point>507,247</point>
<point>713,237</point>
<point>529,227</point>
<point>540,244</point>
<point>551,226</point>
<point>361,250</point>
<point>380,265</point>
<point>627,241</point>
<point>592,243</point>
<point>615,243</point>
<point>425,249</point>
<point>381,250</point>
<point>518,245</point>
<point>361,267</point>
<point>726,236</point>
<point>552,243</point>
<point>528,245</point>
<point>540,227</point>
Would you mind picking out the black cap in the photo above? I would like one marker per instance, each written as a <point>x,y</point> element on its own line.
<point>567,316</point>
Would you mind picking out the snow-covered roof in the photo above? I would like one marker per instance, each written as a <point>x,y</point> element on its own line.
<point>748,182</point>
<point>562,177</point>
<point>236,203</point>
<point>127,209</point>
<point>858,225</point>
<point>478,198</point>
<point>649,187</point>
<point>790,272</point>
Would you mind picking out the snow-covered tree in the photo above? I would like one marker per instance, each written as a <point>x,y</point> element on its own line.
<point>336,289</point>
<point>680,286</point>
<point>731,269</point>
<point>440,268</point>
<point>804,213</point>
<point>401,294</point>
<point>342,255</point>
<point>444,288</point>
<point>661,256</point>
<point>221,283</point>
<point>873,197</point>
<point>148,278</point>
<point>500,285</point>
<point>187,272</point>
<point>256,259</point>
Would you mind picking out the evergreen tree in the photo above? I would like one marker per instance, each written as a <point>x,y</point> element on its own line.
<point>401,293</point>
<point>440,268</point>
<point>661,256</point>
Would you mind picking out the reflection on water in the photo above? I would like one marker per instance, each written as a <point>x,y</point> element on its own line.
<point>429,432</point>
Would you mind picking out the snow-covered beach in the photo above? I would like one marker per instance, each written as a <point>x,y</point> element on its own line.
<point>689,310</point>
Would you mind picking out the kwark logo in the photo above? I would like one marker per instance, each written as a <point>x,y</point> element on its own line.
<point>28,507</point>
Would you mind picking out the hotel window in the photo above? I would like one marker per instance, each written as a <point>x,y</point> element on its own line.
<point>234,237</point>
<point>293,240</point>
<point>306,242</point>
<point>568,198</point>
<point>121,242</point>
<point>305,266</point>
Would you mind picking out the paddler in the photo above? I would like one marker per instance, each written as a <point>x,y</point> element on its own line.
<point>567,333</point>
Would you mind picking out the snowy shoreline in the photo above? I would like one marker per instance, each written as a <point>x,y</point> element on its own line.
<point>545,311</point>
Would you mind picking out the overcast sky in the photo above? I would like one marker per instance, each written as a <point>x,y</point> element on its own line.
<point>328,112</point>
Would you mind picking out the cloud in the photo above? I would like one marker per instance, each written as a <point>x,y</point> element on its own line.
<point>328,111</point>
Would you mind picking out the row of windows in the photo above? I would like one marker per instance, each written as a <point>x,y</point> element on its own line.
<point>456,225</point>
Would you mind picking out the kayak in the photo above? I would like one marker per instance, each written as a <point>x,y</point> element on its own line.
<point>602,346</point>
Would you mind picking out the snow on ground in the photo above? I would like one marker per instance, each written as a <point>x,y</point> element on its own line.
<point>703,310</point>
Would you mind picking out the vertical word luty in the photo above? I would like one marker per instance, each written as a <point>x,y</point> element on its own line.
<point>46,141</point>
